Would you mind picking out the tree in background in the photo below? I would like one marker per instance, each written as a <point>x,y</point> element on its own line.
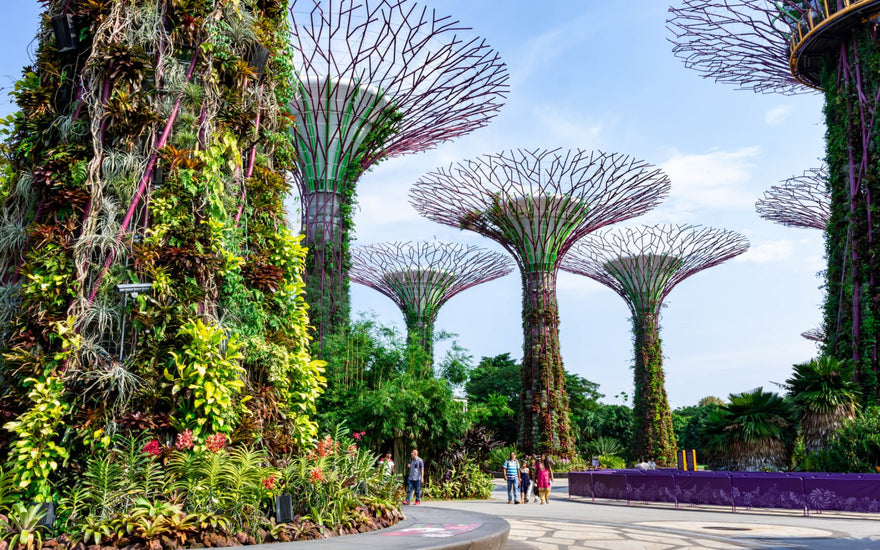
<point>690,422</point>
<point>537,204</point>
<point>493,391</point>
<point>642,264</point>
<point>826,397</point>
<point>754,431</point>
<point>376,383</point>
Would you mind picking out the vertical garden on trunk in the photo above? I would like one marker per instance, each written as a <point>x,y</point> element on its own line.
<point>148,277</point>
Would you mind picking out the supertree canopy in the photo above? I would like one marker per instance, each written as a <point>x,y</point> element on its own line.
<point>536,204</point>
<point>422,276</point>
<point>377,79</point>
<point>814,335</point>
<point>794,46</point>
<point>801,201</point>
<point>643,265</point>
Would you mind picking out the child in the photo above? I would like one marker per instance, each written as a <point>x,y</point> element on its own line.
<point>525,485</point>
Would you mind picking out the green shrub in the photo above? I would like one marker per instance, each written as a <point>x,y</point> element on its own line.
<point>612,462</point>
<point>855,447</point>
<point>466,481</point>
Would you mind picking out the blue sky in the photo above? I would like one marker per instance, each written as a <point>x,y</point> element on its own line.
<point>591,75</point>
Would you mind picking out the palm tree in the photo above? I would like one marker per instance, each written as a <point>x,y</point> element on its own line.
<point>825,395</point>
<point>754,431</point>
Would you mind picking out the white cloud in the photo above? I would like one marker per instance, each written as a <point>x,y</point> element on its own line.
<point>566,128</point>
<point>715,180</point>
<point>779,114</point>
<point>768,251</point>
<point>539,50</point>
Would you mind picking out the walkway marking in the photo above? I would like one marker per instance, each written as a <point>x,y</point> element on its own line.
<point>435,530</point>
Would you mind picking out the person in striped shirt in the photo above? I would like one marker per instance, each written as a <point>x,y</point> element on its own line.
<point>512,472</point>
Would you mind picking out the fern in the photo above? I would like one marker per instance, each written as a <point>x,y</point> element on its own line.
<point>7,491</point>
<point>106,486</point>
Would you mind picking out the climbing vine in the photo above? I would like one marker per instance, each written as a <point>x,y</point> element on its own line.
<point>852,301</point>
<point>142,217</point>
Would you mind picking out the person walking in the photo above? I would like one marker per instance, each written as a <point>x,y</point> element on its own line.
<point>416,477</point>
<point>525,484</point>
<point>511,472</point>
<point>543,479</point>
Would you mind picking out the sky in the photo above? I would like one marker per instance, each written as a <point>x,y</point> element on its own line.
<point>587,74</point>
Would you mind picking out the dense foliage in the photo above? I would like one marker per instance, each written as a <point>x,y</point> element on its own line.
<point>144,493</point>
<point>754,431</point>
<point>854,447</point>
<point>378,383</point>
<point>852,299</point>
<point>825,395</point>
<point>154,151</point>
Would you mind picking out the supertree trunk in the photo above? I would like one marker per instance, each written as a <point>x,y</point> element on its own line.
<point>852,90</point>
<point>653,435</point>
<point>420,333</point>
<point>546,426</point>
<point>328,262</point>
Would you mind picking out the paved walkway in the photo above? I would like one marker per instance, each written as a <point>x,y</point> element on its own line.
<point>564,524</point>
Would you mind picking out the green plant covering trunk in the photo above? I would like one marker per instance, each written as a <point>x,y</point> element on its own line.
<point>153,153</point>
<point>546,427</point>
<point>852,303</point>
<point>420,334</point>
<point>653,437</point>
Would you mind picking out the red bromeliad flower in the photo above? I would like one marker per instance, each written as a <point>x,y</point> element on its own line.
<point>152,448</point>
<point>215,443</point>
<point>184,440</point>
<point>269,482</point>
<point>317,475</point>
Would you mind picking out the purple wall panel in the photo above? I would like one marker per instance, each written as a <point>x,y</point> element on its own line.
<point>793,490</point>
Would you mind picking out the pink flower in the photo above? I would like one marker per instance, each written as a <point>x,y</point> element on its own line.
<point>215,443</point>
<point>358,435</point>
<point>152,448</point>
<point>184,440</point>
<point>352,449</point>
<point>317,475</point>
<point>269,482</point>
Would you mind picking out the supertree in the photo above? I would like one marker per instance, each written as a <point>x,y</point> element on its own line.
<point>643,264</point>
<point>422,276</point>
<point>536,204</point>
<point>814,335</point>
<point>377,79</point>
<point>801,201</point>
<point>802,46</point>
<point>127,260</point>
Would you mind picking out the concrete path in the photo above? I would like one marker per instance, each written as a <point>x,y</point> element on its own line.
<point>564,524</point>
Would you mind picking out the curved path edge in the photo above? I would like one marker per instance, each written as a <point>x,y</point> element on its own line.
<point>425,528</point>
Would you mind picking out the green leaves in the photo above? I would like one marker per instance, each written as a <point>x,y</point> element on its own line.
<point>36,454</point>
<point>207,381</point>
<point>755,430</point>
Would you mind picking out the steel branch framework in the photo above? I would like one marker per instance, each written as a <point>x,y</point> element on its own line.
<point>377,79</point>
<point>420,277</point>
<point>801,201</point>
<point>740,42</point>
<point>536,204</point>
<point>643,265</point>
<point>792,46</point>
